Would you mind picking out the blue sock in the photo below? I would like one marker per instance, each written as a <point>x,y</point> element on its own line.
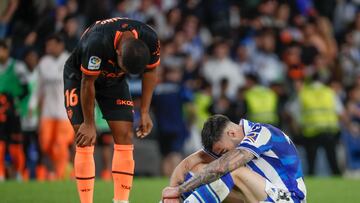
<point>214,192</point>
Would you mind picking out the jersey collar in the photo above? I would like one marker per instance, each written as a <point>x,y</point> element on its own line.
<point>118,36</point>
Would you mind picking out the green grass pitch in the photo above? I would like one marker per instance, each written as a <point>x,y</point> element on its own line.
<point>148,190</point>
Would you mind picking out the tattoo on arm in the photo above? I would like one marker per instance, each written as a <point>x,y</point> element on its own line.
<point>226,163</point>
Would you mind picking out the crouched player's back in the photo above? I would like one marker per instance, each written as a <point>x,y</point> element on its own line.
<point>276,159</point>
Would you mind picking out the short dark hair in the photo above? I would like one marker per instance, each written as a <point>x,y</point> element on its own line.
<point>212,130</point>
<point>57,37</point>
<point>135,55</point>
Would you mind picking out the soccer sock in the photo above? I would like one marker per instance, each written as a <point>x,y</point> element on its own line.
<point>122,171</point>
<point>2,159</point>
<point>17,154</point>
<point>41,172</point>
<point>85,173</point>
<point>214,192</point>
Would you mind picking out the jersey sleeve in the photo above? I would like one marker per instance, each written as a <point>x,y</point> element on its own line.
<point>154,48</point>
<point>92,55</point>
<point>257,141</point>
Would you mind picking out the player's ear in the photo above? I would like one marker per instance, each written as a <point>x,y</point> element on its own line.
<point>231,133</point>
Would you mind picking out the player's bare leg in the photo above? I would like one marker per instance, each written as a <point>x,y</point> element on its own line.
<point>249,187</point>
<point>123,162</point>
<point>84,171</point>
<point>251,184</point>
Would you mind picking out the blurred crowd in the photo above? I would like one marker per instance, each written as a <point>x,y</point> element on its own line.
<point>293,64</point>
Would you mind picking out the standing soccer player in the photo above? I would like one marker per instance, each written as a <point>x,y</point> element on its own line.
<point>107,51</point>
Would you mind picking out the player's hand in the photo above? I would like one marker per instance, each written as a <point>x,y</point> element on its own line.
<point>145,126</point>
<point>171,195</point>
<point>86,135</point>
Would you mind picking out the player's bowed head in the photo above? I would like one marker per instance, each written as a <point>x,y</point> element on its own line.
<point>132,54</point>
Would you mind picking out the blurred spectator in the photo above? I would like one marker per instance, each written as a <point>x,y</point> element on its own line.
<point>261,103</point>
<point>10,137</point>
<point>222,103</point>
<point>120,9</point>
<point>29,121</point>
<point>12,74</point>
<point>8,8</point>
<point>266,63</point>
<point>282,16</point>
<point>326,33</point>
<point>349,59</point>
<point>243,60</point>
<point>318,33</point>
<point>202,102</point>
<point>319,110</point>
<point>56,133</point>
<point>173,20</point>
<point>218,17</point>
<point>95,10</point>
<point>70,32</point>
<point>193,44</point>
<point>12,89</point>
<point>220,66</point>
<point>148,11</point>
<point>296,69</point>
<point>169,99</point>
<point>351,134</point>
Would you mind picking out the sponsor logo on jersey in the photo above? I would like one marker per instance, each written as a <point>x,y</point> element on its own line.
<point>122,102</point>
<point>252,137</point>
<point>94,63</point>
<point>254,133</point>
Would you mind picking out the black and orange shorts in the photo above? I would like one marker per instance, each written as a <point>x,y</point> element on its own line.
<point>114,99</point>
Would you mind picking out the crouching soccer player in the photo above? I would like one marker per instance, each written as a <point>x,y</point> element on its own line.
<point>249,162</point>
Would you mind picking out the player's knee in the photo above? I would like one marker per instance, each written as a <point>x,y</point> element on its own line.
<point>124,137</point>
<point>240,174</point>
<point>76,128</point>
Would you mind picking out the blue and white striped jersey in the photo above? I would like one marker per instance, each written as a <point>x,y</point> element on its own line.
<point>276,157</point>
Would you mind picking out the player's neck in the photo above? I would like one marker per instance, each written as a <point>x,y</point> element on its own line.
<point>124,36</point>
<point>241,131</point>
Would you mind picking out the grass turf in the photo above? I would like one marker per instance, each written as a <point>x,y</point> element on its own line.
<point>148,190</point>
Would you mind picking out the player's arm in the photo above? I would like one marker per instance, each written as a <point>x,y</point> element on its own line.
<point>187,165</point>
<point>92,55</point>
<point>213,171</point>
<point>86,133</point>
<point>148,86</point>
<point>87,95</point>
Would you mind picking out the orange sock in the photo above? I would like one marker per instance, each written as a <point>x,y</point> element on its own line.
<point>17,154</point>
<point>85,173</point>
<point>2,159</point>
<point>41,172</point>
<point>123,171</point>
